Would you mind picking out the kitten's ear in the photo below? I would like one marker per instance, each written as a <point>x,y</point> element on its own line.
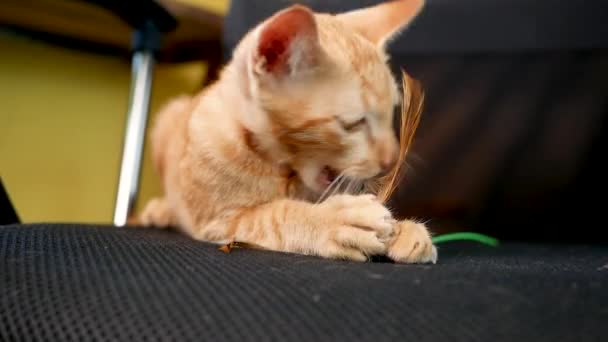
<point>287,42</point>
<point>382,22</point>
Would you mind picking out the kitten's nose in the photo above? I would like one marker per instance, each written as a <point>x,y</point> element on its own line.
<point>388,162</point>
<point>388,155</point>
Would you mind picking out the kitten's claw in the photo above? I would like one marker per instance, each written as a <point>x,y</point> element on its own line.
<point>412,244</point>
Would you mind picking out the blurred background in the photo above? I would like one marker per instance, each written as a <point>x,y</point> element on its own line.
<point>64,103</point>
<point>511,142</point>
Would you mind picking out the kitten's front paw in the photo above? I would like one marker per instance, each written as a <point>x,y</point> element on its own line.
<point>358,227</point>
<point>412,244</point>
<point>362,211</point>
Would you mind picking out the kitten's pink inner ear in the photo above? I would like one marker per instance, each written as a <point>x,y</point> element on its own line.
<point>276,41</point>
<point>382,22</point>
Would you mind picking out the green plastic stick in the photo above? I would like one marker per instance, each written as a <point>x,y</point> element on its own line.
<point>458,236</point>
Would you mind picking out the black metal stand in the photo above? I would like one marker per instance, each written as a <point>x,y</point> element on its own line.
<point>146,42</point>
<point>149,20</point>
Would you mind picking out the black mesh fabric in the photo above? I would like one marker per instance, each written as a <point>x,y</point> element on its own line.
<point>70,282</point>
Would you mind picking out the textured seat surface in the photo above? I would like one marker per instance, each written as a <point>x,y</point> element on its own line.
<point>69,282</point>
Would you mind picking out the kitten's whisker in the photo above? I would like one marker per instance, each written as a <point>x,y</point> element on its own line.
<point>322,196</point>
<point>328,189</point>
<point>352,187</point>
<point>350,180</point>
<point>360,187</point>
<point>349,186</point>
<point>337,188</point>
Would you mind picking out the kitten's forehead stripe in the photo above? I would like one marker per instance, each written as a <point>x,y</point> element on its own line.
<point>367,64</point>
<point>312,123</point>
<point>369,136</point>
<point>364,58</point>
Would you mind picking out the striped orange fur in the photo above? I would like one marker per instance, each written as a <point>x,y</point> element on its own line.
<point>278,153</point>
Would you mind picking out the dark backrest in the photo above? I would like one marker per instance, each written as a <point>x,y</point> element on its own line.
<point>512,134</point>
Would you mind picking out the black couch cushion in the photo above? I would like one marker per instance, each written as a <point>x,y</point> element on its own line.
<point>464,26</point>
<point>70,282</point>
<point>513,133</point>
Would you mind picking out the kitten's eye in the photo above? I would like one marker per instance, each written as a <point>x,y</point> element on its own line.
<point>351,126</point>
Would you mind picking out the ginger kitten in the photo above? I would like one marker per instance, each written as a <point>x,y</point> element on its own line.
<point>303,109</point>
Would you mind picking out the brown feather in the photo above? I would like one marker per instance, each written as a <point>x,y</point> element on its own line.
<point>411,110</point>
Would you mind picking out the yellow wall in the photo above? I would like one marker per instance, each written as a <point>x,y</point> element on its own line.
<point>62,116</point>
<point>217,6</point>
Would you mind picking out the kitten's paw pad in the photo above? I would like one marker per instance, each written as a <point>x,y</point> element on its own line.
<point>412,244</point>
<point>364,212</point>
<point>156,214</point>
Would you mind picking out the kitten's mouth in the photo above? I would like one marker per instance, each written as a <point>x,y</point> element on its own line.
<point>327,176</point>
